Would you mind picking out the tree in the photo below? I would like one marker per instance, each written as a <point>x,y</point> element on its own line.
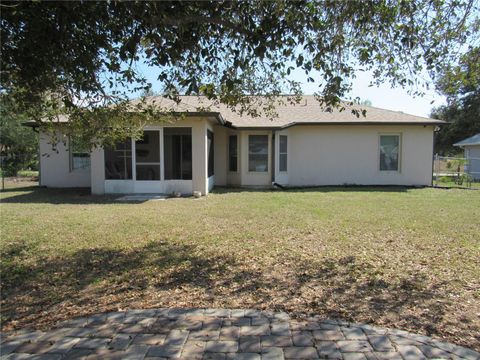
<point>461,85</point>
<point>81,58</point>
<point>19,145</point>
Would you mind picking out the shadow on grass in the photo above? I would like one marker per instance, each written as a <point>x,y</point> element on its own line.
<point>317,189</point>
<point>20,189</point>
<point>40,195</point>
<point>56,196</point>
<point>161,274</point>
<point>30,291</point>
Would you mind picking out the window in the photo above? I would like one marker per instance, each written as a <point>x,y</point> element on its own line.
<point>79,155</point>
<point>258,153</point>
<point>233,153</point>
<point>178,153</point>
<point>147,156</point>
<point>282,154</point>
<point>389,152</point>
<point>211,154</point>
<point>118,161</point>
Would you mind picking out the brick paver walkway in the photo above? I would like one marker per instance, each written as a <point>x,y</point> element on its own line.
<point>221,334</point>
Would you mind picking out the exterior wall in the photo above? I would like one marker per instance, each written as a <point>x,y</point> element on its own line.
<point>317,155</point>
<point>472,152</point>
<point>250,178</point>
<point>336,155</point>
<point>221,155</point>
<point>97,165</point>
<point>199,154</point>
<point>55,166</point>
<point>223,175</point>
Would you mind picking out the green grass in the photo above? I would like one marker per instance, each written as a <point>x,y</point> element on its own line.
<point>405,258</point>
<point>449,182</point>
<point>28,173</point>
<point>23,174</point>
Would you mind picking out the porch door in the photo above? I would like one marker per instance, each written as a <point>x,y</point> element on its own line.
<point>178,153</point>
<point>147,157</point>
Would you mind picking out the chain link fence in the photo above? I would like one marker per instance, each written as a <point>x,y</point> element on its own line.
<point>18,166</point>
<point>458,172</point>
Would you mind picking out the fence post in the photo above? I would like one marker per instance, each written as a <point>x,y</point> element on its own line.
<point>435,168</point>
<point>3,173</point>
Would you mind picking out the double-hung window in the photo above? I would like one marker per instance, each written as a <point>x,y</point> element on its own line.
<point>233,153</point>
<point>282,153</point>
<point>390,149</point>
<point>258,153</point>
<point>79,155</point>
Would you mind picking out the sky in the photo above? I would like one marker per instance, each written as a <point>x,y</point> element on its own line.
<point>396,99</point>
<point>386,97</point>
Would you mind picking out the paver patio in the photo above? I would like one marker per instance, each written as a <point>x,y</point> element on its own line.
<point>221,334</point>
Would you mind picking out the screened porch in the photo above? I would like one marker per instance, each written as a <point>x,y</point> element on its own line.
<point>161,161</point>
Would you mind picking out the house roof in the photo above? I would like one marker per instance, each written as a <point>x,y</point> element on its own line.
<point>306,112</point>
<point>472,140</point>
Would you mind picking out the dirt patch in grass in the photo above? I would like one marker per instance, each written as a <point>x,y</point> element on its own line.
<point>405,259</point>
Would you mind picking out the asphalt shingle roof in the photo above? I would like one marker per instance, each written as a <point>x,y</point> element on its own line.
<point>307,111</point>
<point>472,140</point>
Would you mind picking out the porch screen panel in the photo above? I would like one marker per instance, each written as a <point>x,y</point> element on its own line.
<point>178,153</point>
<point>118,161</point>
<point>211,154</point>
<point>147,156</point>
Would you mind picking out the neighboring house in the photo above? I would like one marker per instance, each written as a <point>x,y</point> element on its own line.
<point>303,146</point>
<point>471,147</point>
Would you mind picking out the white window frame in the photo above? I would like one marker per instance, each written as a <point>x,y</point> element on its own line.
<point>400,150</point>
<point>280,153</point>
<point>71,154</point>
<point>238,152</point>
<point>268,153</point>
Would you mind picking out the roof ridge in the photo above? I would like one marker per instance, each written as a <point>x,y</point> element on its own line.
<point>345,102</point>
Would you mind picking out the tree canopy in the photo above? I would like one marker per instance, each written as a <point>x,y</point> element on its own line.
<point>83,58</point>
<point>461,85</point>
<point>18,144</point>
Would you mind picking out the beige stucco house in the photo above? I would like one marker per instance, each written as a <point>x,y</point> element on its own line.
<point>471,147</point>
<point>303,146</point>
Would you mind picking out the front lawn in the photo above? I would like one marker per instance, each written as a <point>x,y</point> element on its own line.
<point>404,258</point>
<point>448,182</point>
